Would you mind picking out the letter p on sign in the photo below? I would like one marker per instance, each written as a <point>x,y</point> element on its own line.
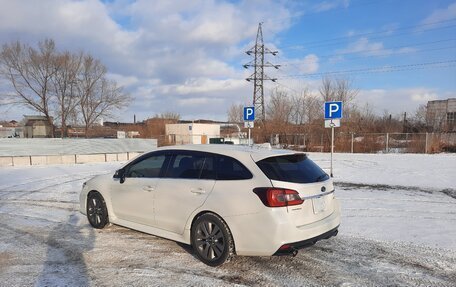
<point>333,110</point>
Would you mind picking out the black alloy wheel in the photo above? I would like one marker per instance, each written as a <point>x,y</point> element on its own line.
<point>97,213</point>
<point>212,240</point>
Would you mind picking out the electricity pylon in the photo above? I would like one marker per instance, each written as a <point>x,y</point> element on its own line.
<point>258,76</point>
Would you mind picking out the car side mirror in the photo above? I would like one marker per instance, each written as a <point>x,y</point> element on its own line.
<point>120,174</point>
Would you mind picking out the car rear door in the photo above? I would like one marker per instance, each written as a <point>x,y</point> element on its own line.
<point>297,172</point>
<point>189,180</point>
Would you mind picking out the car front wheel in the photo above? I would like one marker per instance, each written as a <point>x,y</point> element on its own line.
<point>97,213</point>
<point>212,240</point>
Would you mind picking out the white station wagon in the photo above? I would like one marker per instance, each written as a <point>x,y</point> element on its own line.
<point>221,199</point>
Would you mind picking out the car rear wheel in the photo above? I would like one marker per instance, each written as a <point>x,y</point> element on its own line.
<point>212,240</point>
<point>97,213</point>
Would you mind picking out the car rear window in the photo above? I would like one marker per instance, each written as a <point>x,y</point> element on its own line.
<point>297,168</point>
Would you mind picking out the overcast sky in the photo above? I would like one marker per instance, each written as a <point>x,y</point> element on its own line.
<point>187,56</point>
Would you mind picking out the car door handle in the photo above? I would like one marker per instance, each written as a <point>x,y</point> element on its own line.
<point>148,188</point>
<point>197,190</point>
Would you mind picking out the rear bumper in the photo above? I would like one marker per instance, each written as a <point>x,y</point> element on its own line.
<point>290,247</point>
<point>263,234</point>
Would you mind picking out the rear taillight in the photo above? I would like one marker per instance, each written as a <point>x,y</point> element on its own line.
<point>278,197</point>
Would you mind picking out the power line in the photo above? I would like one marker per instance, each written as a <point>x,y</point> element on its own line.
<point>348,38</point>
<point>386,52</point>
<point>383,69</point>
<point>394,47</point>
<point>387,31</point>
<point>303,13</point>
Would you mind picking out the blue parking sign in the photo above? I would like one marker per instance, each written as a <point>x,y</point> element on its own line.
<point>333,110</point>
<point>249,113</point>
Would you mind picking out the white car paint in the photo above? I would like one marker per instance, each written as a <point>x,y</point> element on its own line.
<point>167,207</point>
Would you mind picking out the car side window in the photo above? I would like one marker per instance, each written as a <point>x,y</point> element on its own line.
<point>191,166</point>
<point>231,169</point>
<point>149,167</point>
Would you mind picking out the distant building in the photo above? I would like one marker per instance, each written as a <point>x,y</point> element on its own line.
<point>441,115</point>
<point>37,127</point>
<point>192,133</point>
<point>11,132</point>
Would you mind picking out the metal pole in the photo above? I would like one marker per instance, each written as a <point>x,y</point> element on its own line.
<point>387,142</point>
<point>332,149</point>
<point>353,137</point>
<point>249,137</point>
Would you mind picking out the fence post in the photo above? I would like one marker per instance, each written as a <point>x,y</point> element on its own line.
<point>321,143</point>
<point>353,137</point>
<point>387,142</point>
<point>406,141</point>
<point>426,144</point>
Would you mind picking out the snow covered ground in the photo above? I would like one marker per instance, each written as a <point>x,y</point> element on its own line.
<point>398,228</point>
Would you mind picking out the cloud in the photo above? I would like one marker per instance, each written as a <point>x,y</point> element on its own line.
<point>444,14</point>
<point>308,64</point>
<point>329,5</point>
<point>365,47</point>
<point>423,96</point>
<point>397,101</point>
<point>163,52</point>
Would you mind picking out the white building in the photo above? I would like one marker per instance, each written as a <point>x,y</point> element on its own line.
<point>192,133</point>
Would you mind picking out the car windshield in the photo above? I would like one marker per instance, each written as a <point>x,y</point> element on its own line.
<point>297,168</point>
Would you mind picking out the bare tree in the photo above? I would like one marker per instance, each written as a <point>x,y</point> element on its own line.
<point>298,112</point>
<point>305,107</point>
<point>98,97</point>
<point>236,113</point>
<point>65,83</point>
<point>29,70</point>
<point>279,108</point>
<point>340,89</point>
<point>313,108</point>
<point>327,89</point>
<point>420,114</point>
<point>70,86</point>
<point>168,116</point>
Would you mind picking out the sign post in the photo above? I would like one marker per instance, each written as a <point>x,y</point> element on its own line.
<point>333,114</point>
<point>249,118</point>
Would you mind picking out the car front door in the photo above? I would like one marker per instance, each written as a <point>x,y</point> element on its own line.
<point>186,185</point>
<point>133,199</point>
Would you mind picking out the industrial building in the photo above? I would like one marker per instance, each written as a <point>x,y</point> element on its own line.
<point>441,115</point>
<point>192,133</point>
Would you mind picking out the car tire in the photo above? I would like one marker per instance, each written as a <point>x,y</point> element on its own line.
<point>211,239</point>
<point>97,213</point>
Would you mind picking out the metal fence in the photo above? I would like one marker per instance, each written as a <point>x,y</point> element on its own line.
<point>368,142</point>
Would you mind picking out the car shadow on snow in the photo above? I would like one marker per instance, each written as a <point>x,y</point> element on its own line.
<point>65,264</point>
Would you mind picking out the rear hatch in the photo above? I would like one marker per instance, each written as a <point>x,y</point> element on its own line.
<point>297,172</point>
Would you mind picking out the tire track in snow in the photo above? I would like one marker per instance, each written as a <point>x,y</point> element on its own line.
<point>384,187</point>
